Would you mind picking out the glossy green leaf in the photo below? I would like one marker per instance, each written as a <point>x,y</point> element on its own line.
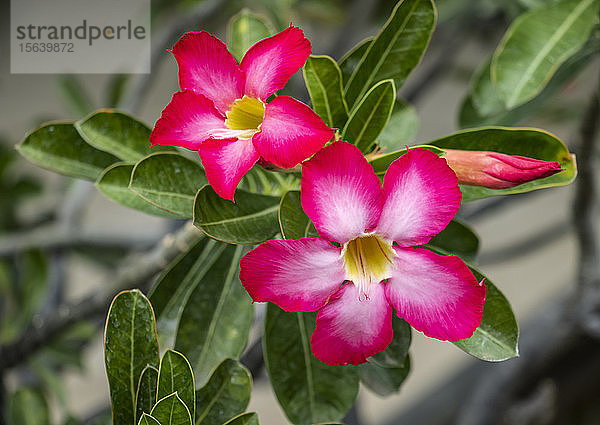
<point>295,224</point>
<point>130,345</point>
<point>59,147</point>
<point>245,29</point>
<point>381,163</point>
<point>528,142</point>
<point>401,129</point>
<point>381,380</point>
<point>169,181</point>
<point>174,286</point>
<point>308,391</point>
<point>537,43</point>
<point>216,320</point>
<point>350,60</point>
<point>394,356</point>
<point>114,184</point>
<point>323,80</point>
<point>171,410</point>
<point>118,134</point>
<point>484,95</point>
<point>250,220</point>
<point>497,337</point>
<point>458,239</point>
<point>396,50</point>
<point>28,406</point>
<point>145,396</point>
<point>368,119</point>
<point>225,395</point>
<point>175,376</point>
<point>244,419</point>
<point>148,420</point>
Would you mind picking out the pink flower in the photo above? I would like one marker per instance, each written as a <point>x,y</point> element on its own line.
<point>221,110</point>
<point>496,170</point>
<point>376,229</point>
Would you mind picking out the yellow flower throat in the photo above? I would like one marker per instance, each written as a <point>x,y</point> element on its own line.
<point>246,115</point>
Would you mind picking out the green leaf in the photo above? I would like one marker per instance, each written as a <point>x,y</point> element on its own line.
<point>114,184</point>
<point>172,290</point>
<point>145,397</point>
<point>146,419</point>
<point>458,239</point>
<point>295,224</point>
<point>59,147</point>
<point>308,391</point>
<point>244,30</point>
<point>381,380</point>
<point>484,95</point>
<point>497,337</point>
<point>225,395</point>
<point>169,181</point>
<point>323,80</point>
<point>252,219</point>
<point>171,410</point>
<point>350,60</point>
<point>118,134</point>
<point>528,142</point>
<point>401,129</point>
<point>129,346</point>
<point>381,163</point>
<point>175,376</point>
<point>394,356</point>
<point>28,406</point>
<point>396,50</point>
<point>244,419</point>
<point>368,119</point>
<point>216,320</point>
<point>537,43</point>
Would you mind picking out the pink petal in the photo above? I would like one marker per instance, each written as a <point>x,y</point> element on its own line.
<point>340,192</point>
<point>421,196</point>
<point>226,161</point>
<point>290,132</point>
<point>271,62</point>
<point>437,295</point>
<point>349,330</point>
<point>207,67</point>
<point>297,275</point>
<point>186,121</point>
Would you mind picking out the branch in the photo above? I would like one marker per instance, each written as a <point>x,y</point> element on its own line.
<point>134,273</point>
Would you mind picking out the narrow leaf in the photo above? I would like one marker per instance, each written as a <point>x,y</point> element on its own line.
<point>245,29</point>
<point>368,119</point>
<point>59,147</point>
<point>308,391</point>
<point>225,395</point>
<point>169,181</point>
<point>130,345</point>
<point>216,320</point>
<point>145,397</point>
<point>350,60</point>
<point>146,419</point>
<point>295,224</point>
<point>245,419</point>
<point>537,43</point>
<point>250,220</point>
<point>323,80</point>
<point>381,380</point>
<point>401,129</point>
<point>396,50</point>
<point>171,410</point>
<point>175,376</point>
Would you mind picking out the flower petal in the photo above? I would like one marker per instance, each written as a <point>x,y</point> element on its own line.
<point>340,192</point>
<point>207,67</point>
<point>290,132</point>
<point>186,121</point>
<point>421,196</point>
<point>226,162</point>
<point>297,275</point>
<point>271,62</point>
<point>349,330</point>
<point>437,295</point>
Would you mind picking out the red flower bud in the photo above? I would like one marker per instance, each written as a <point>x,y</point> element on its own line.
<point>497,170</point>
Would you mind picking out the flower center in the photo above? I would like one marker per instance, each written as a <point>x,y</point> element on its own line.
<point>368,259</point>
<point>246,116</point>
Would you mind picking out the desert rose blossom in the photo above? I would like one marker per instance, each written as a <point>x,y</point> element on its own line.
<point>221,110</point>
<point>496,170</point>
<point>374,266</point>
